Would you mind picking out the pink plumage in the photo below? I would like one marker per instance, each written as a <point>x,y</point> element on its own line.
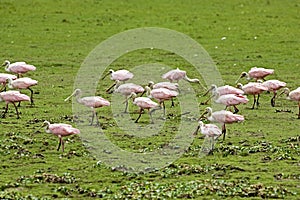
<point>253,88</point>
<point>92,102</point>
<point>61,130</point>
<point>274,85</point>
<point>4,77</point>
<point>232,99</point>
<point>13,96</point>
<point>209,130</point>
<point>294,95</point>
<point>177,74</point>
<point>144,103</point>
<point>127,88</point>
<point>22,83</point>
<point>227,89</point>
<point>18,67</point>
<point>174,75</point>
<point>259,73</point>
<point>121,75</point>
<point>256,74</point>
<point>167,85</point>
<point>223,117</point>
<point>163,94</point>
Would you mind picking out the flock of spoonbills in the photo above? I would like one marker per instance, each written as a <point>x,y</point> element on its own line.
<point>156,94</point>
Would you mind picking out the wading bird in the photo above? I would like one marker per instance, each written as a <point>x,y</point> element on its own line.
<point>293,95</point>
<point>126,89</point>
<point>143,103</point>
<point>119,75</point>
<point>223,117</point>
<point>92,102</point>
<point>253,88</point>
<point>177,74</point>
<point>61,130</point>
<point>274,86</point>
<point>3,79</point>
<point>222,90</point>
<point>161,95</point>
<point>23,83</point>
<point>210,131</point>
<point>231,100</point>
<point>18,67</point>
<point>256,73</point>
<point>167,85</point>
<point>12,97</point>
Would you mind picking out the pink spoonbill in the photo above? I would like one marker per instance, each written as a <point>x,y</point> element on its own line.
<point>222,90</point>
<point>92,102</point>
<point>3,79</point>
<point>253,88</point>
<point>161,95</point>
<point>12,97</point>
<point>223,117</point>
<point>143,103</point>
<point>119,75</point>
<point>18,67</point>
<point>23,83</point>
<point>210,131</point>
<point>177,74</point>
<point>274,86</point>
<point>231,100</point>
<point>293,95</point>
<point>256,73</point>
<point>61,130</point>
<point>167,85</point>
<point>126,89</point>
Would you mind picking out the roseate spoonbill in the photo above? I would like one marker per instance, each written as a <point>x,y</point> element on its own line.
<point>210,131</point>
<point>177,74</point>
<point>293,95</point>
<point>119,75</point>
<point>12,97</point>
<point>126,89</point>
<point>3,79</point>
<point>231,100</point>
<point>223,117</point>
<point>253,88</point>
<point>273,86</point>
<point>222,90</point>
<point>92,102</point>
<point>143,103</point>
<point>161,95</point>
<point>61,130</point>
<point>256,73</point>
<point>167,85</point>
<point>23,83</point>
<point>18,67</point>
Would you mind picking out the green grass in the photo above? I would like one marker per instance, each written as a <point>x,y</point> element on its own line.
<point>259,158</point>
